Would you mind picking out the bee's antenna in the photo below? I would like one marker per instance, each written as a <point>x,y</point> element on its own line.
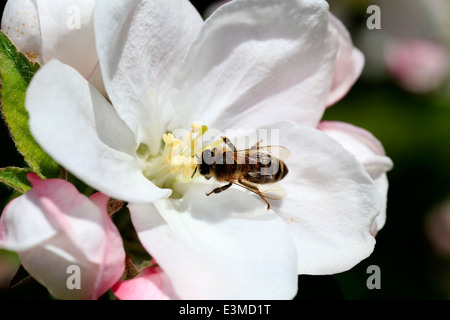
<point>194,172</point>
<point>195,166</point>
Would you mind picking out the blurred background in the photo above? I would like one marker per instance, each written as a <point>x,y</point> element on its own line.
<point>403,98</point>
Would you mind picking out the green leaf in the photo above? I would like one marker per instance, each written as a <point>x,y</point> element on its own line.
<point>16,72</point>
<point>16,178</point>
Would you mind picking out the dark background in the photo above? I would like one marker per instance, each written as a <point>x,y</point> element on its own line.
<point>414,129</point>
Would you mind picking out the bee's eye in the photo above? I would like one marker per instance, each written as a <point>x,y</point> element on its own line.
<point>204,170</point>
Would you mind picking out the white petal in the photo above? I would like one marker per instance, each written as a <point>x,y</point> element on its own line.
<point>258,61</point>
<point>331,201</point>
<point>19,222</point>
<point>226,246</point>
<point>67,29</point>
<point>369,151</point>
<point>141,46</point>
<point>78,128</point>
<point>20,23</point>
<point>48,264</point>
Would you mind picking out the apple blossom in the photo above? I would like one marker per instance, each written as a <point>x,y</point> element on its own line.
<point>252,65</point>
<point>437,228</point>
<point>53,227</point>
<point>419,65</point>
<point>63,30</point>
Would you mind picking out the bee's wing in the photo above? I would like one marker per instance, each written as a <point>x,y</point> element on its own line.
<point>273,191</point>
<point>242,156</point>
<point>252,155</point>
<point>279,152</point>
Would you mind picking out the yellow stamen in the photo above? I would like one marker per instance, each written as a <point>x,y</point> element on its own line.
<point>178,158</point>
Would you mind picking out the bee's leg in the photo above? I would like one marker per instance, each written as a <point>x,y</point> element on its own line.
<point>255,190</point>
<point>265,199</point>
<point>229,143</point>
<point>220,189</point>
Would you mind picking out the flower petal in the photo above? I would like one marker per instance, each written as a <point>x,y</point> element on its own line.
<point>256,56</point>
<point>369,151</point>
<point>78,128</point>
<point>227,246</point>
<point>20,23</point>
<point>76,233</point>
<point>349,62</point>
<point>141,46</point>
<point>112,261</point>
<point>18,231</point>
<point>67,29</point>
<point>331,201</point>
<point>151,284</point>
<point>420,66</point>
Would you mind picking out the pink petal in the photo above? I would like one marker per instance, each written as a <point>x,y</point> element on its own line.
<point>151,284</point>
<point>363,136</point>
<point>419,65</point>
<point>437,228</point>
<point>100,199</point>
<point>112,258</point>
<point>52,227</point>
<point>349,62</point>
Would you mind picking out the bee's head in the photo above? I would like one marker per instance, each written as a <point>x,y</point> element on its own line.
<point>206,161</point>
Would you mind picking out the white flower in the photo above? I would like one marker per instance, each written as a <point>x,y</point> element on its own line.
<point>63,30</point>
<point>252,64</point>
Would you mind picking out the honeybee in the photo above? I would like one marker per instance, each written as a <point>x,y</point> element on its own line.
<point>257,169</point>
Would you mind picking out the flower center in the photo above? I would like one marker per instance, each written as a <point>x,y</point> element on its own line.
<point>178,157</point>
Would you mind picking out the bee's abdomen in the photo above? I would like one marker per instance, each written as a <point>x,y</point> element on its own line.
<point>267,173</point>
<point>263,173</point>
<point>282,171</point>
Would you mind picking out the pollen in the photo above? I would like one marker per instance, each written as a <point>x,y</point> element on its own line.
<point>180,153</point>
<point>178,157</point>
